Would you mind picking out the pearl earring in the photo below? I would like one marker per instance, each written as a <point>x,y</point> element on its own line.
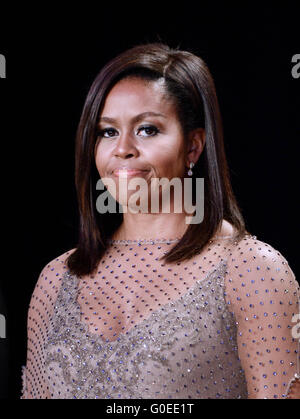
<point>191,166</point>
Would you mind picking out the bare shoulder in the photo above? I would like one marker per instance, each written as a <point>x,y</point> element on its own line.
<point>226,229</point>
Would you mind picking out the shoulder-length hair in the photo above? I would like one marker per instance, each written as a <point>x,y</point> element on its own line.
<point>189,83</point>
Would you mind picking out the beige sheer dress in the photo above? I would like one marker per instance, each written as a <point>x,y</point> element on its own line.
<point>221,325</point>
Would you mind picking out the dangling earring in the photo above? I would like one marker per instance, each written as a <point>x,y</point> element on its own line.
<point>191,166</point>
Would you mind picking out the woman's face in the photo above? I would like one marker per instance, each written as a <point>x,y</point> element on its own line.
<point>139,129</point>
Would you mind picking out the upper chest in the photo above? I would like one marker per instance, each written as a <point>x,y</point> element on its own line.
<point>130,285</point>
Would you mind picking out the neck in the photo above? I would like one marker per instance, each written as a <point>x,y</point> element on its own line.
<point>151,227</point>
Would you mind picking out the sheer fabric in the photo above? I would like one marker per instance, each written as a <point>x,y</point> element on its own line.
<point>220,325</point>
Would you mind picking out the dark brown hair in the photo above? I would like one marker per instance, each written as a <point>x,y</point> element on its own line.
<point>191,87</point>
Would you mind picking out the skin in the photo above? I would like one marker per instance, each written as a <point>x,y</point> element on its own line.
<point>164,154</point>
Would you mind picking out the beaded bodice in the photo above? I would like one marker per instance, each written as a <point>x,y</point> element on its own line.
<point>217,326</point>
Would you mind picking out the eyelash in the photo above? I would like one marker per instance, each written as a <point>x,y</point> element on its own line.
<point>152,127</point>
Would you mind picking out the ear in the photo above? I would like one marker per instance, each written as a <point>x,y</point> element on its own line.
<point>196,142</point>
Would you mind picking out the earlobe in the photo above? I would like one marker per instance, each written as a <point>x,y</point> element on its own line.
<point>197,143</point>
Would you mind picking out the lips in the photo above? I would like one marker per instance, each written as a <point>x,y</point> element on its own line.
<point>125,172</point>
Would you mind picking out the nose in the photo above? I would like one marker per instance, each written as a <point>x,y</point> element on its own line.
<point>125,147</point>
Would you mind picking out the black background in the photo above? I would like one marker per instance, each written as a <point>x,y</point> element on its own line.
<point>52,58</point>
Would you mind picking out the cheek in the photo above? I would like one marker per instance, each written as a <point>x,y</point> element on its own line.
<point>170,160</point>
<point>101,159</point>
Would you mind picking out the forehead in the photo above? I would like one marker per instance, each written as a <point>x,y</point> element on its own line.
<point>135,93</point>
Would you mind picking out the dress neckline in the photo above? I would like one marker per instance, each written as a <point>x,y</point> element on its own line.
<point>145,241</point>
<point>73,288</point>
<point>157,240</point>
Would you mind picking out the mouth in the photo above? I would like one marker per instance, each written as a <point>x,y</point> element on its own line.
<point>124,173</point>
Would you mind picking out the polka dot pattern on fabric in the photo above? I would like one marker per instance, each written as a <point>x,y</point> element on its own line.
<point>217,326</point>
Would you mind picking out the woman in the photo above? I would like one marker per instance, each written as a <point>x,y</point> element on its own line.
<point>151,304</point>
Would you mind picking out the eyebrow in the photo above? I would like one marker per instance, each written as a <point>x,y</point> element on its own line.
<point>135,118</point>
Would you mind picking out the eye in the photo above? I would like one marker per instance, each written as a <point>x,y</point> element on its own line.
<point>150,130</point>
<point>109,131</point>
